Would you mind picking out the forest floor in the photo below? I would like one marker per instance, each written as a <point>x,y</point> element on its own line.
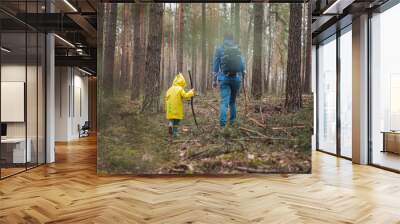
<point>265,139</point>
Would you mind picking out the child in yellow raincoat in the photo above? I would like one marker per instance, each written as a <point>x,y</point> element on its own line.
<point>174,103</point>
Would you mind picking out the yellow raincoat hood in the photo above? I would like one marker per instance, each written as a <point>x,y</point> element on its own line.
<point>179,80</point>
<point>174,98</point>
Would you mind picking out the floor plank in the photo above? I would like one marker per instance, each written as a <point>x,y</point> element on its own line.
<point>69,191</point>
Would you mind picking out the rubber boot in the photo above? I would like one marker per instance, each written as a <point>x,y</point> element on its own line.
<point>170,128</point>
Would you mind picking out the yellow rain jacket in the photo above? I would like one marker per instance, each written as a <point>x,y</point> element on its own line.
<point>175,96</point>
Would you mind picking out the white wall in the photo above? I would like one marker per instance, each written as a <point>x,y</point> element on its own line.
<point>17,73</point>
<point>71,102</point>
<point>314,91</point>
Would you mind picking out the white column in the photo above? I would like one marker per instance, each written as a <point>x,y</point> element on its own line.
<point>50,93</point>
<point>360,90</point>
<point>314,91</point>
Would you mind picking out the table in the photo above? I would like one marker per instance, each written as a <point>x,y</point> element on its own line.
<point>13,150</point>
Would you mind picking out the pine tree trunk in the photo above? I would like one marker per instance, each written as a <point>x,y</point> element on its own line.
<point>162,63</point>
<point>144,24</point>
<point>270,48</point>
<point>179,53</point>
<point>109,51</point>
<point>237,23</point>
<point>256,83</point>
<point>232,16</point>
<point>308,63</point>
<point>151,101</point>
<point>138,50</point>
<point>246,38</point>
<point>124,78</point>
<point>194,44</point>
<point>100,41</point>
<point>203,48</point>
<point>293,79</point>
<point>171,56</point>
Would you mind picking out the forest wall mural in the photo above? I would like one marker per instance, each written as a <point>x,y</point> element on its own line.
<point>204,88</point>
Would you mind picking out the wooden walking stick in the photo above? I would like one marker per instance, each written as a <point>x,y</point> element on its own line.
<point>191,100</point>
<point>245,94</point>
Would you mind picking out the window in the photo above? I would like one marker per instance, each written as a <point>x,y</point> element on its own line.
<point>327,96</point>
<point>22,66</point>
<point>385,89</point>
<point>346,92</point>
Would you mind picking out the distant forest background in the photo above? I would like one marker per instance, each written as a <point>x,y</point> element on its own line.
<point>147,44</point>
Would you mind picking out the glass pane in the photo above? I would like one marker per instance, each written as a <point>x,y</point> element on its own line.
<point>31,98</point>
<point>346,94</point>
<point>327,96</point>
<point>14,153</point>
<point>386,89</point>
<point>41,99</point>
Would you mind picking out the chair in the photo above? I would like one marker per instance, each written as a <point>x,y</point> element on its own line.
<point>84,130</point>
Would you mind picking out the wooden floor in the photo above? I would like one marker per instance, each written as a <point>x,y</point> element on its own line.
<point>69,191</point>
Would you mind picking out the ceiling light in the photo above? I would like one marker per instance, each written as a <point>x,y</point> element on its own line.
<point>84,71</point>
<point>337,7</point>
<point>5,50</point>
<point>65,41</point>
<point>70,5</point>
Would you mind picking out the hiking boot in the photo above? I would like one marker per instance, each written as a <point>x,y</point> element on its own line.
<point>175,132</point>
<point>225,132</point>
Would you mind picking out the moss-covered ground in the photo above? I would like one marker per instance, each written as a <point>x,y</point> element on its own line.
<point>265,138</point>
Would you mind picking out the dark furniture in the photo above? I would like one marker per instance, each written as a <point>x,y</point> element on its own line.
<point>84,130</point>
<point>391,141</point>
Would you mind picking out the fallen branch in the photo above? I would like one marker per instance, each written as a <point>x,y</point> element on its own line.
<point>257,122</point>
<point>273,138</point>
<point>280,128</point>
<point>185,141</point>
<point>253,131</point>
<point>254,170</point>
<point>250,138</point>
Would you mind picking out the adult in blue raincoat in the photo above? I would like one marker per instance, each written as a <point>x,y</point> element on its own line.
<point>228,69</point>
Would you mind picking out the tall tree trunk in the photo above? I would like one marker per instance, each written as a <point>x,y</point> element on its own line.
<point>109,51</point>
<point>100,41</point>
<point>232,16</point>
<point>138,50</point>
<point>151,101</point>
<point>203,48</point>
<point>194,43</point>
<point>246,38</point>
<point>270,48</point>
<point>144,30</point>
<point>175,39</point>
<point>162,63</point>
<point>308,63</point>
<point>170,56</point>
<point>124,78</point>
<point>179,53</point>
<point>212,35</point>
<point>293,80</point>
<point>256,83</point>
<point>237,23</point>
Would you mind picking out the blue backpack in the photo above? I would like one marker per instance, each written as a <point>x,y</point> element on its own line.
<point>231,61</point>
